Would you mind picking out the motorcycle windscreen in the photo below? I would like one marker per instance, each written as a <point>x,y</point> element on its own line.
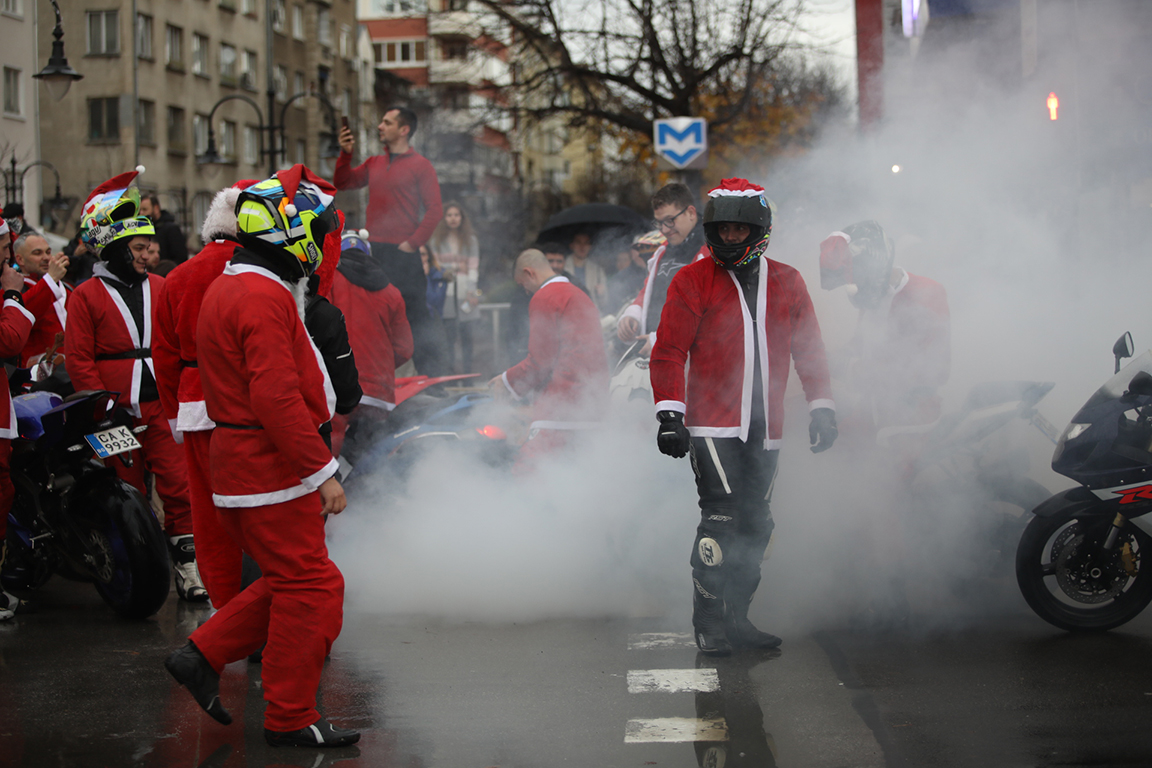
<point>1109,441</point>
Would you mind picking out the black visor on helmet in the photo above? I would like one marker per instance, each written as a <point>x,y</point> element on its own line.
<point>752,211</point>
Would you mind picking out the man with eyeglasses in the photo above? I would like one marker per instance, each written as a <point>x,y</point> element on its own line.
<point>675,212</point>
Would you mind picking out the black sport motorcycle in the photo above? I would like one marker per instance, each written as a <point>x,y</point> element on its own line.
<point>1080,561</point>
<point>72,514</point>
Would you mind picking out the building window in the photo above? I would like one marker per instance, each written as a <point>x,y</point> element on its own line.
<point>279,16</point>
<point>400,7</point>
<point>280,82</point>
<point>248,7</point>
<point>143,36</point>
<point>174,47</point>
<point>298,87</point>
<point>455,5</point>
<point>227,64</point>
<point>13,103</point>
<point>104,119</point>
<point>200,203</point>
<point>199,134</point>
<point>378,53</point>
<point>227,144</point>
<point>251,145</point>
<point>200,55</point>
<point>405,53</point>
<point>248,70</point>
<point>324,76</point>
<point>301,150</point>
<point>176,139</point>
<point>13,8</point>
<point>146,121</point>
<point>454,49</point>
<point>324,26</point>
<point>346,50</point>
<point>103,32</point>
<point>298,22</point>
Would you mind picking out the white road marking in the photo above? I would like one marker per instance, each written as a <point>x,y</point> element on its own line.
<point>672,681</point>
<point>652,640</point>
<point>675,729</point>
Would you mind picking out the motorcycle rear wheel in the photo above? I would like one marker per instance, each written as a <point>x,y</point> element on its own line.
<point>133,571</point>
<point>1068,579</point>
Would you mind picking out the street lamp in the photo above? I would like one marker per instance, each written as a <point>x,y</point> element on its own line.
<point>57,74</point>
<point>212,157</point>
<point>14,184</point>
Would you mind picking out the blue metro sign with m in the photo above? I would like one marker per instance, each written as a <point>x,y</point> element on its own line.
<point>681,140</point>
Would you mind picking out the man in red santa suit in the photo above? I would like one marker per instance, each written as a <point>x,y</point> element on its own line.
<point>377,329</point>
<point>15,325</point>
<point>108,345</point>
<point>902,350</point>
<point>45,293</point>
<point>566,370</point>
<point>273,477</point>
<point>740,317</point>
<point>218,556</point>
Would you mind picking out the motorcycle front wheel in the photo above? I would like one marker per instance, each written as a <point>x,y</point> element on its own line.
<point>129,551</point>
<point>1072,582</point>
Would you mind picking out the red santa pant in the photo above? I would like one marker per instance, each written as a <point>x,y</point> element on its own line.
<point>218,557</point>
<point>7,490</point>
<point>297,607</point>
<point>161,456</point>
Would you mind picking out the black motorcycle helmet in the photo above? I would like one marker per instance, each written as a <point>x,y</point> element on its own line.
<point>873,254</point>
<point>741,202</point>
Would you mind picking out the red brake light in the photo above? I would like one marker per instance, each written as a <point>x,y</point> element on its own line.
<point>492,432</point>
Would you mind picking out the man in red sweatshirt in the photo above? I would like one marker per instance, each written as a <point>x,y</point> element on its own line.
<point>403,209</point>
<point>45,292</point>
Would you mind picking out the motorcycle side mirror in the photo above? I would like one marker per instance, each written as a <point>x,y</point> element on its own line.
<point>1123,348</point>
<point>1141,384</point>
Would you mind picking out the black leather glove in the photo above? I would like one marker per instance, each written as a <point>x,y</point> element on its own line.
<point>822,430</point>
<point>673,438</point>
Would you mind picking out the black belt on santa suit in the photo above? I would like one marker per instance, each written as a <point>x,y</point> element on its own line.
<point>132,354</point>
<point>225,425</point>
<point>188,363</point>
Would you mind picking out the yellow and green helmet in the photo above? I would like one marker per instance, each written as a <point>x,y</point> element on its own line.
<point>112,212</point>
<point>294,210</point>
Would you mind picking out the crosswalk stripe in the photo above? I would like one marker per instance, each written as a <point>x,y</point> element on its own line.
<point>673,681</point>
<point>675,729</point>
<point>647,641</point>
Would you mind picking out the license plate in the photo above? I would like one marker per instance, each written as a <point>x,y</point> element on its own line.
<point>112,441</point>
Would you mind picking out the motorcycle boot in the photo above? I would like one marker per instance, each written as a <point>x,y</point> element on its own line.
<point>188,583</point>
<point>742,634</point>
<point>708,618</point>
<point>320,734</point>
<point>193,671</point>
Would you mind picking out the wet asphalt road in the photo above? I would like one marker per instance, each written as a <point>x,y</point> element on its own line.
<point>81,688</point>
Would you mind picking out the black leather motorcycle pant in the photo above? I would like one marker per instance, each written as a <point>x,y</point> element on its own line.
<point>734,480</point>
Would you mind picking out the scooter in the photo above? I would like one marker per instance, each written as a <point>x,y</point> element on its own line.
<point>72,514</point>
<point>1080,562</point>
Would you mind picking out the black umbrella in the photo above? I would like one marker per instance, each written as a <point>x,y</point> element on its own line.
<point>591,218</point>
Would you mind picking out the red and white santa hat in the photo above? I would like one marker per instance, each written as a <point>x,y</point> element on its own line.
<point>737,188</point>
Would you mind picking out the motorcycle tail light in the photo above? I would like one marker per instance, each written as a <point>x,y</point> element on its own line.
<point>492,432</point>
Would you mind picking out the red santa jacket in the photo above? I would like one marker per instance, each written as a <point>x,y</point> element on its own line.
<point>638,309</point>
<point>379,334</point>
<point>47,300</point>
<point>174,348</point>
<point>707,318</point>
<point>101,333</point>
<point>905,346</point>
<point>266,388</point>
<point>565,368</point>
<point>15,325</point>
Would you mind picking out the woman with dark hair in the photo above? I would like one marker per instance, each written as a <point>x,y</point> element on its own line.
<point>459,254</point>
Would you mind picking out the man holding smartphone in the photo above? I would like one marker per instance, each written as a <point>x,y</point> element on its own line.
<point>403,209</point>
